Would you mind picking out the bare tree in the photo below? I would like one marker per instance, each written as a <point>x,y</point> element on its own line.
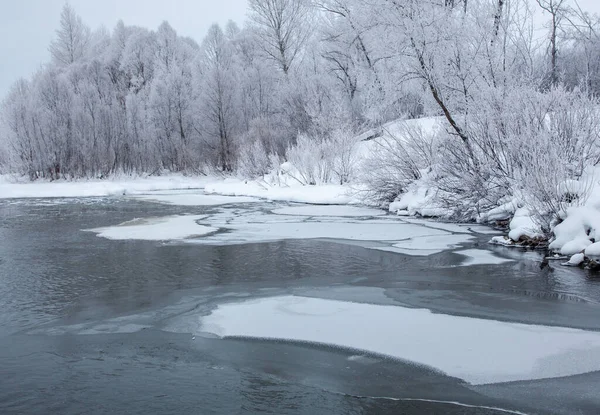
<point>556,8</point>
<point>498,18</point>
<point>218,93</point>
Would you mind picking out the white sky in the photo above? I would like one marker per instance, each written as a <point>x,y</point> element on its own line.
<point>27,26</point>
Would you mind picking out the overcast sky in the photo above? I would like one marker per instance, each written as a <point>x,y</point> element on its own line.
<point>27,26</point>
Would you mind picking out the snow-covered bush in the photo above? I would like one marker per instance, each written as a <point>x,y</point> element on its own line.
<point>312,159</point>
<point>553,159</point>
<point>253,160</point>
<point>323,160</point>
<point>345,157</point>
<point>579,227</point>
<point>397,158</point>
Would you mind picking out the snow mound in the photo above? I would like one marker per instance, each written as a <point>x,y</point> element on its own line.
<point>522,225</point>
<point>503,212</point>
<point>576,260</point>
<point>419,199</point>
<point>476,350</point>
<point>502,240</point>
<point>156,229</point>
<point>578,231</point>
<point>593,250</point>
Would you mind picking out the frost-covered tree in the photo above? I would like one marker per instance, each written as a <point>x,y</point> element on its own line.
<point>283,27</point>
<point>72,38</point>
<point>557,10</point>
<point>218,92</point>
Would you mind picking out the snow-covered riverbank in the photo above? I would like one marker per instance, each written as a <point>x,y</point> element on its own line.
<point>578,233</point>
<point>18,188</point>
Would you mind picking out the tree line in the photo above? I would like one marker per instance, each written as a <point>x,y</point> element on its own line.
<point>305,76</point>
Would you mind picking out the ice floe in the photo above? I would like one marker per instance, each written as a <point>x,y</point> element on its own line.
<point>481,257</point>
<point>329,210</point>
<point>428,245</point>
<point>194,199</point>
<point>275,231</point>
<point>476,350</point>
<point>156,229</point>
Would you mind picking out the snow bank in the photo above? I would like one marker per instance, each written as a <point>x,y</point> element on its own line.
<point>156,229</point>
<point>11,189</point>
<point>476,350</point>
<point>593,250</point>
<point>319,195</point>
<point>419,199</point>
<point>504,211</point>
<point>578,231</point>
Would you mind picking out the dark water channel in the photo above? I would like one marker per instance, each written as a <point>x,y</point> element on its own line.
<point>53,275</point>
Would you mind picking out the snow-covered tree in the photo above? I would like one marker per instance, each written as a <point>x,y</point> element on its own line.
<point>283,27</point>
<point>72,38</point>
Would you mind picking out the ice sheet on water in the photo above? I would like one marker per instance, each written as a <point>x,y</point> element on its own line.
<point>427,245</point>
<point>446,226</point>
<point>481,257</point>
<point>193,199</point>
<point>252,225</point>
<point>156,229</point>
<point>329,210</point>
<point>476,350</point>
<point>274,231</point>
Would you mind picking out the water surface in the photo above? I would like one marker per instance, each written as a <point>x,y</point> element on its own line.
<point>86,324</point>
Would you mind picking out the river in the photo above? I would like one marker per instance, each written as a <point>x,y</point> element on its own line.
<point>96,325</point>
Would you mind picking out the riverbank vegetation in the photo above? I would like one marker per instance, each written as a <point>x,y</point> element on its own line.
<point>322,88</point>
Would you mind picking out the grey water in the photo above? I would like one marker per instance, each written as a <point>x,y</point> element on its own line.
<point>69,343</point>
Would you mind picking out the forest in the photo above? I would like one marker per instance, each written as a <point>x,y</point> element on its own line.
<point>514,84</point>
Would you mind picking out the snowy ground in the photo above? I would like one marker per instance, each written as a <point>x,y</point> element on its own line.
<point>475,350</point>
<point>290,192</point>
<point>11,188</point>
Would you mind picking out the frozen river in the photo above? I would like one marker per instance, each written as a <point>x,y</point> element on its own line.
<point>179,302</point>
